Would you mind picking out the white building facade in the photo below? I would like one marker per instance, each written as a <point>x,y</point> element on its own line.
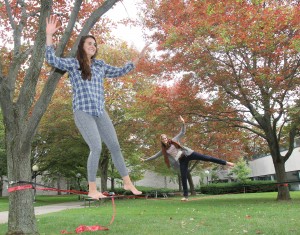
<point>263,169</point>
<point>154,180</point>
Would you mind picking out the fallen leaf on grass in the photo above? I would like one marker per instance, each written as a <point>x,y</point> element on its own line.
<point>183,223</point>
<point>248,216</point>
<point>259,232</point>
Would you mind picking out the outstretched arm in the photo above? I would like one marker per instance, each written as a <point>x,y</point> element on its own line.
<point>182,131</point>
<point>113,72</point>
<point>158,154</point>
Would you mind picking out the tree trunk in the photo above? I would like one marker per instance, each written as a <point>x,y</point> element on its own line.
<point>21,218</point>
<point>112,184</point>
<point>1,185</point>
<point>279,161</point>
<point>58,185</point>
<point>104,161</point>
<point>191,183</point>
<point>283,189</point>
<point>179,183</point>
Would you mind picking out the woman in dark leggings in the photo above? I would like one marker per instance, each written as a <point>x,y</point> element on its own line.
<point>178,156</point>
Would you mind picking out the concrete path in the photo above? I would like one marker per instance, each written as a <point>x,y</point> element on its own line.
<point>46,209</point>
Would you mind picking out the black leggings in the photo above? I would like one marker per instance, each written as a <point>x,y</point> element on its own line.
<point>184,161</point>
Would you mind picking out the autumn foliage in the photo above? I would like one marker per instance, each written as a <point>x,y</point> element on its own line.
<point>243,59</point>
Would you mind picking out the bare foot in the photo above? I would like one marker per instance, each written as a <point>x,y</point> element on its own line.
<point>184,199</point>
<point>230,164</point>
<point>131,188</point>
<point>96,195</point>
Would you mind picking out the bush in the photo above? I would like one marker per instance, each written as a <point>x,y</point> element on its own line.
<point>236,187</point>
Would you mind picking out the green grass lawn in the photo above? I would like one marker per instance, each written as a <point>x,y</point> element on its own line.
<point>257,213</point>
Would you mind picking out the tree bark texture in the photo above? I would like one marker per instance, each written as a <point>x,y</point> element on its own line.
<point>283,189</point>
<point>279,165</point>
<point>104,161</point>
<point>179,183</point>
<point>191,183</point>
<point>21,218</point>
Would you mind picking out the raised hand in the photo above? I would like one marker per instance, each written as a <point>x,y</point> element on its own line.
<point>181,119</point>
<point>52,25</point>
<point>142,54</point>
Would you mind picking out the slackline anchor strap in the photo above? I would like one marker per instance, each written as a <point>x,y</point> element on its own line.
<point>80,228</point>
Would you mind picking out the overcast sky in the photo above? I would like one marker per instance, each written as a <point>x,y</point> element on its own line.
<point>132,35</point>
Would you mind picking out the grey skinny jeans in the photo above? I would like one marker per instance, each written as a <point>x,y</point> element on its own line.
<point>94,130</point>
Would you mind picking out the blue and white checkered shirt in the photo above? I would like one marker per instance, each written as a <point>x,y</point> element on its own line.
<point>88,95</point>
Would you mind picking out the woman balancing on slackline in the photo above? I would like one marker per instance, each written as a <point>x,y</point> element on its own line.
<point>178,156</point>
<point>86,76</point>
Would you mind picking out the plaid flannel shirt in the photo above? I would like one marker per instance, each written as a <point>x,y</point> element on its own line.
<point>88,95</point>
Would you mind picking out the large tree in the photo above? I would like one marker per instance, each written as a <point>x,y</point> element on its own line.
<point>3,168</point>
<point>23,34</point>
<point>242,59</point>
<point>159,106</point>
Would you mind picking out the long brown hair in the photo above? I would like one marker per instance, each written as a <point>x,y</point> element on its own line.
<point>83,59</point>
<point>164,148</point>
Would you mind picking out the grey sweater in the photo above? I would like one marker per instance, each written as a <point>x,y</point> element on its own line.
<point>186,151</point>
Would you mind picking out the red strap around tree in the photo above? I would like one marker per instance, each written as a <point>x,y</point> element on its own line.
<point>19,187</point>
<point>80,228</point>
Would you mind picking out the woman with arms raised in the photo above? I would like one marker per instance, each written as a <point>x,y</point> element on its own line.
<point>178,156</point>
<point>86,76</point>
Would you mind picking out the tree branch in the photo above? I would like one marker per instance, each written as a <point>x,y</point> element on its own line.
<point>92,20</point>
<point>233,122</point>
<point>18,58</point>
<point>293,71</point>
<point>19,28</point>
<point>9,14</point>
<point>68,31</point>
<point>251,130</point>
<point>292,135</point>
<point>27,92</point>
<point>52,81</point>
<point>1,71</point>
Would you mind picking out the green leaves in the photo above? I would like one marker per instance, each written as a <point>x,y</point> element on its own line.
<point>296,44</point>
<point>242,171</point>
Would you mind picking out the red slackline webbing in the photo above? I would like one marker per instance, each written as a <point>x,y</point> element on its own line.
<point>93,228</point>
<point>80,228</point>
